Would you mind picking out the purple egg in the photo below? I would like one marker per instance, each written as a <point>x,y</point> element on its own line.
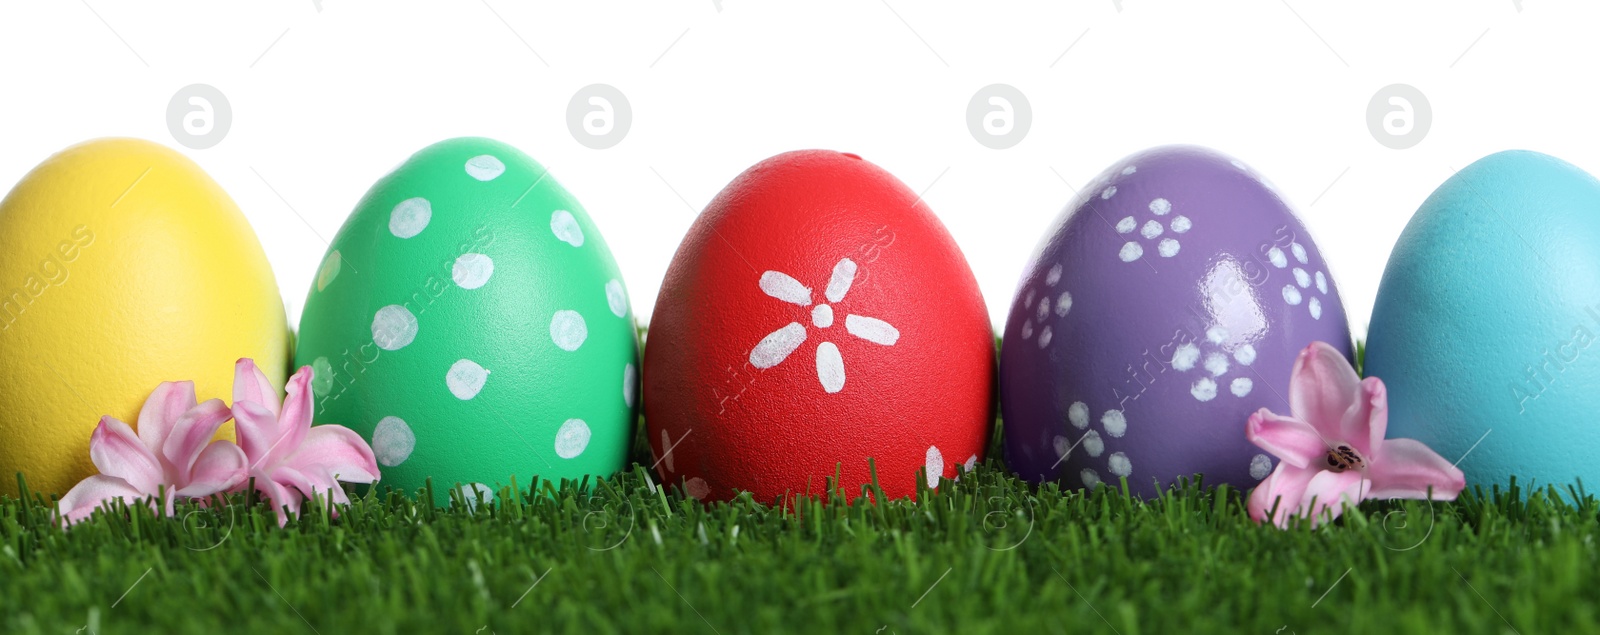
<point>1162,308</point>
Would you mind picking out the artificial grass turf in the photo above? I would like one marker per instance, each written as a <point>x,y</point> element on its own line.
<point>990,554</point>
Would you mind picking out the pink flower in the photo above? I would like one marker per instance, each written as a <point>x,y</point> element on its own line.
<point>1332,450</point>
<point>289,459</point>
<point>171,456</point>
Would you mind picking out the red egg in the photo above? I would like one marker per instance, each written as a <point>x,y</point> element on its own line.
<point>817,315</point>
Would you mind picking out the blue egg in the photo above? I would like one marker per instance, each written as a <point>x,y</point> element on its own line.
<point>1486,320</point>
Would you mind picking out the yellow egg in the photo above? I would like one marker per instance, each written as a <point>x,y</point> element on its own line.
<point>122,265</point>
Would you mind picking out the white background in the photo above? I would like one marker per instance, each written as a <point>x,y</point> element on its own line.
<point>327,96</point>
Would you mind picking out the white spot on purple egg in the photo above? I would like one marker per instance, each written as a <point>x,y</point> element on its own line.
<point>1160,206</point>
<point>1246,355</point>
<point>1115,423</point>
<point>1151,229</point>
<point>1093,444</point>
<point>1291,295</point>
<point>1044,337</point>
<point>1168,248</point>
<point>1278,259</point>
<point>1090,478</point>
<point>1240,386</point>
<point>1107,193</point>
<point>1185,356</point>
<point>1127,225</point>
<point>1315,306</point>
<point>1053,276</point>
<point>1204,389</point>
<point>1078,414</point>
<point>1063,304</point>
<point>1217,364</point>
<point>1027,329</point>
<point>1131,251</point>
<point>1301,277</point>
<point>1260,466</point>
<point>1181,224</point>
<point>1216,334</point>
<point>1120,465</point>
<point>1322,283</point>
<point>1299,252</point>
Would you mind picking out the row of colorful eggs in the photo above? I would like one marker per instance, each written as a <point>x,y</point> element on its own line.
<point>817,323</point>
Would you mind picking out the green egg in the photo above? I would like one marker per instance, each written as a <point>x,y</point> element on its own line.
<point>471,324</point>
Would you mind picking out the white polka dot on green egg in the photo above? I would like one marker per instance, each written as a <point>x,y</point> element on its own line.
<point>470,322</point>
<point>332,264</point>
<point>566,228</point>
<point>485,167</point>
<point>410,217</point>
<point>568,330</point>
<point>392,441</point>
<point>472,270</point>
<point>572,438</point>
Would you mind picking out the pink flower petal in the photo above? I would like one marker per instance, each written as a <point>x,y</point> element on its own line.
<point>259,431</point>
<point>117,452</point>
<point>284,500</point>
<point>1373,411</point>
<point>161,411</point>
<point>296,416</point>
<point>1329,492</point>
<point>1285,487</point>
<point>217,468</point>
<point>1291,440</point>
<point>1405,468</point>
<point>92,492</point>
<point>1322,388</point>
<point>337,451</point>
<point>250,384</point>
<point>190,435</point>
<point>311,484</point>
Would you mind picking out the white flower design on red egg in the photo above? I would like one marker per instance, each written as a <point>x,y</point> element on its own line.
<point>777,345</point>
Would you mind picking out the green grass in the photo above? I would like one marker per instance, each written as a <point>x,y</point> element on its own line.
<point>990,554</point>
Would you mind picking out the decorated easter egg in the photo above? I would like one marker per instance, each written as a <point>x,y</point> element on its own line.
<point>817,316</point>
<point>469,321</point>
<point>1163,306</point>
<point>122,265</point>
<point>1484,320</point>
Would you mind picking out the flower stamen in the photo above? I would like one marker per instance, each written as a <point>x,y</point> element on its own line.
<point>1344,458</point>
